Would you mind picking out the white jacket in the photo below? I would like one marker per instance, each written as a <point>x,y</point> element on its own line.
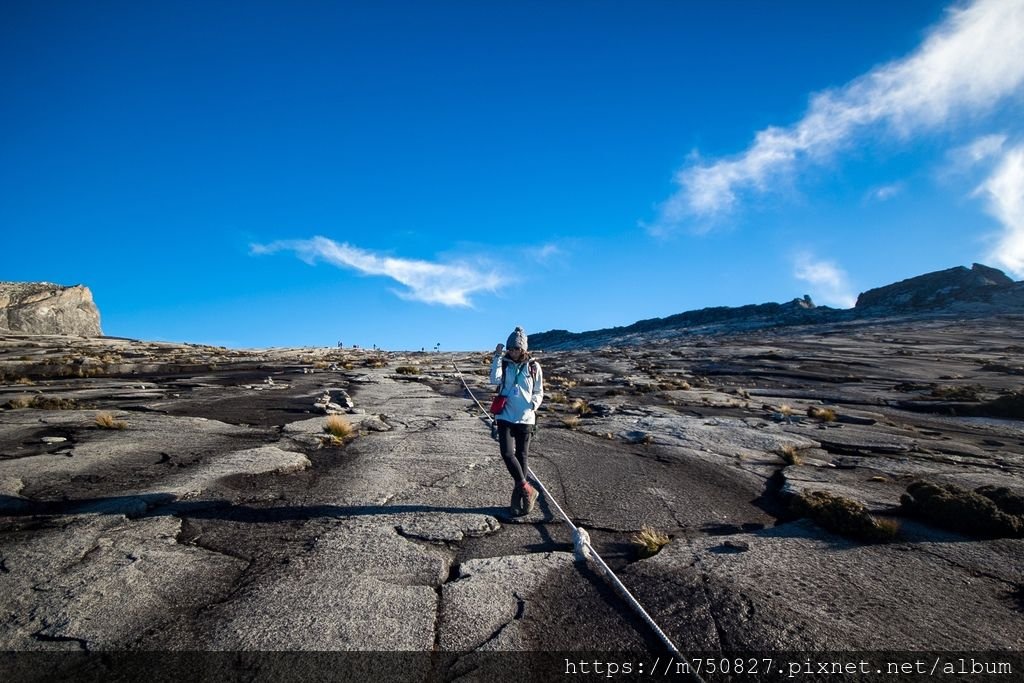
<point>522,384</point>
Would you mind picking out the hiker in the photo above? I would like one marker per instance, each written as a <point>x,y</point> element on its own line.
<point>521,384</point>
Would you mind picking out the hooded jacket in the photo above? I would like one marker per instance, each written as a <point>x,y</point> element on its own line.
<point>521,385</point>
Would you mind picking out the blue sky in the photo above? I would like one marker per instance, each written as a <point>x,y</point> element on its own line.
<point>412,173</point>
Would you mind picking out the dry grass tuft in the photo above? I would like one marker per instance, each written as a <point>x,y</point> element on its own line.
<point>107,421</point>
<point>822,414</point>
<point>581,407</point>
<point>572,422</point>
<point>649,541</point>
<point>18,402</point>
<point>339,427</point>
<point>24,381</point>
<point>790,454</point>
<point>407,370</point>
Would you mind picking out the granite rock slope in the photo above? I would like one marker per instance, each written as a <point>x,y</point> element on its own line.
<point>46,308</point>
<point>229,519</point>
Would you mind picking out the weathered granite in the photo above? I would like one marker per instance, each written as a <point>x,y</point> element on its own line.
<point>46,308</point>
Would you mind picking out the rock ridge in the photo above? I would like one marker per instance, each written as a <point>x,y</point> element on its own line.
<point>969,292</point>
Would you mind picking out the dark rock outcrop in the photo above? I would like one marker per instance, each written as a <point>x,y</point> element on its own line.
<point>46,308</point>
<point>703,321</point>
<point>934,290</point>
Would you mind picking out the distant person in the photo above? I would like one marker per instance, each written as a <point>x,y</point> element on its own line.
<point>521,384</point>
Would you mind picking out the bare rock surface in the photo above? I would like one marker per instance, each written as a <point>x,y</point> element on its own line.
<point>212,510</point>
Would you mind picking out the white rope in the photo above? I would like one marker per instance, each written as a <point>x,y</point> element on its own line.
<point>583,551</point>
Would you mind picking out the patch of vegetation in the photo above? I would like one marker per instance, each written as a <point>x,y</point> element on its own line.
<point>581,407</point>
<point>1006,500</point>
<point>407,370</point>
<point>843,516</point>
<point>1009,405</point>
<point>339,427</point>
<point>649,541</point>
<point>107,421</point>
<point>41,402</point>
<point>332,441</point>
<point>912,386</point>
<point>572,422</point>
<point>992,514</point>
<point>790,454</point>
<point>379,361</point>
<point>18,402</point>
<point>964,392</point>
<point>821,414</point>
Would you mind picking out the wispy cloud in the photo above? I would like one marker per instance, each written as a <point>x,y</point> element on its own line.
<point>829,283</point>
<point>966,65</point>
<point>1003,192</point>
<point>885,192</point>
<point>448,284</point>
<point>985,147</point>
<point>545,252</point>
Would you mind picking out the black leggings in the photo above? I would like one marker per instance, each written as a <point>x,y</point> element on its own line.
<point>515,461</point>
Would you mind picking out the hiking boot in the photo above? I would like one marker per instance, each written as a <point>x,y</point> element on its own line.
<point>517,500</point>
<point>529,498</point>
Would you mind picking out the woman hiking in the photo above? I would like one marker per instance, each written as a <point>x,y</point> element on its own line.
<point>521,383</point>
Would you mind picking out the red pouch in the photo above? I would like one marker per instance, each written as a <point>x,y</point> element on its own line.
<point>498,404</point>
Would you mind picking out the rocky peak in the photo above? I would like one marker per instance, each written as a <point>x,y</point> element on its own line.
<point>937,289</point>
<point>46,308</point>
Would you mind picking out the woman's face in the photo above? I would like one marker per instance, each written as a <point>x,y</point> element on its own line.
<point>515,354</point>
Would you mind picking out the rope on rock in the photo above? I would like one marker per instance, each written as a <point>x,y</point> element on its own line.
<point>584,551</point>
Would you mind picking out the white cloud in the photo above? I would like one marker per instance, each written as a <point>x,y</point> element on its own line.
<point>966,65</point>
<point>434,283</point>
<point>1004,195</point>
<point>829,283</point>
<point>885,192</point>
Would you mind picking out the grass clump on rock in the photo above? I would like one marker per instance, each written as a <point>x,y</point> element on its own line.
<point>843,516</point>
<point>572,422</point>
<point>965,392</point>
<point>789,453</point>
<point>41,402</point>
<point>107,421</point>
<point>988,512</point>
<point>581,407</point>
<point>822,414</point>
<point>407,370</point>
<point>649,541</point>
<point>339,427</point>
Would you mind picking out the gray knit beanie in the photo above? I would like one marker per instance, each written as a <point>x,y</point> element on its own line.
<point>516,340</point>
